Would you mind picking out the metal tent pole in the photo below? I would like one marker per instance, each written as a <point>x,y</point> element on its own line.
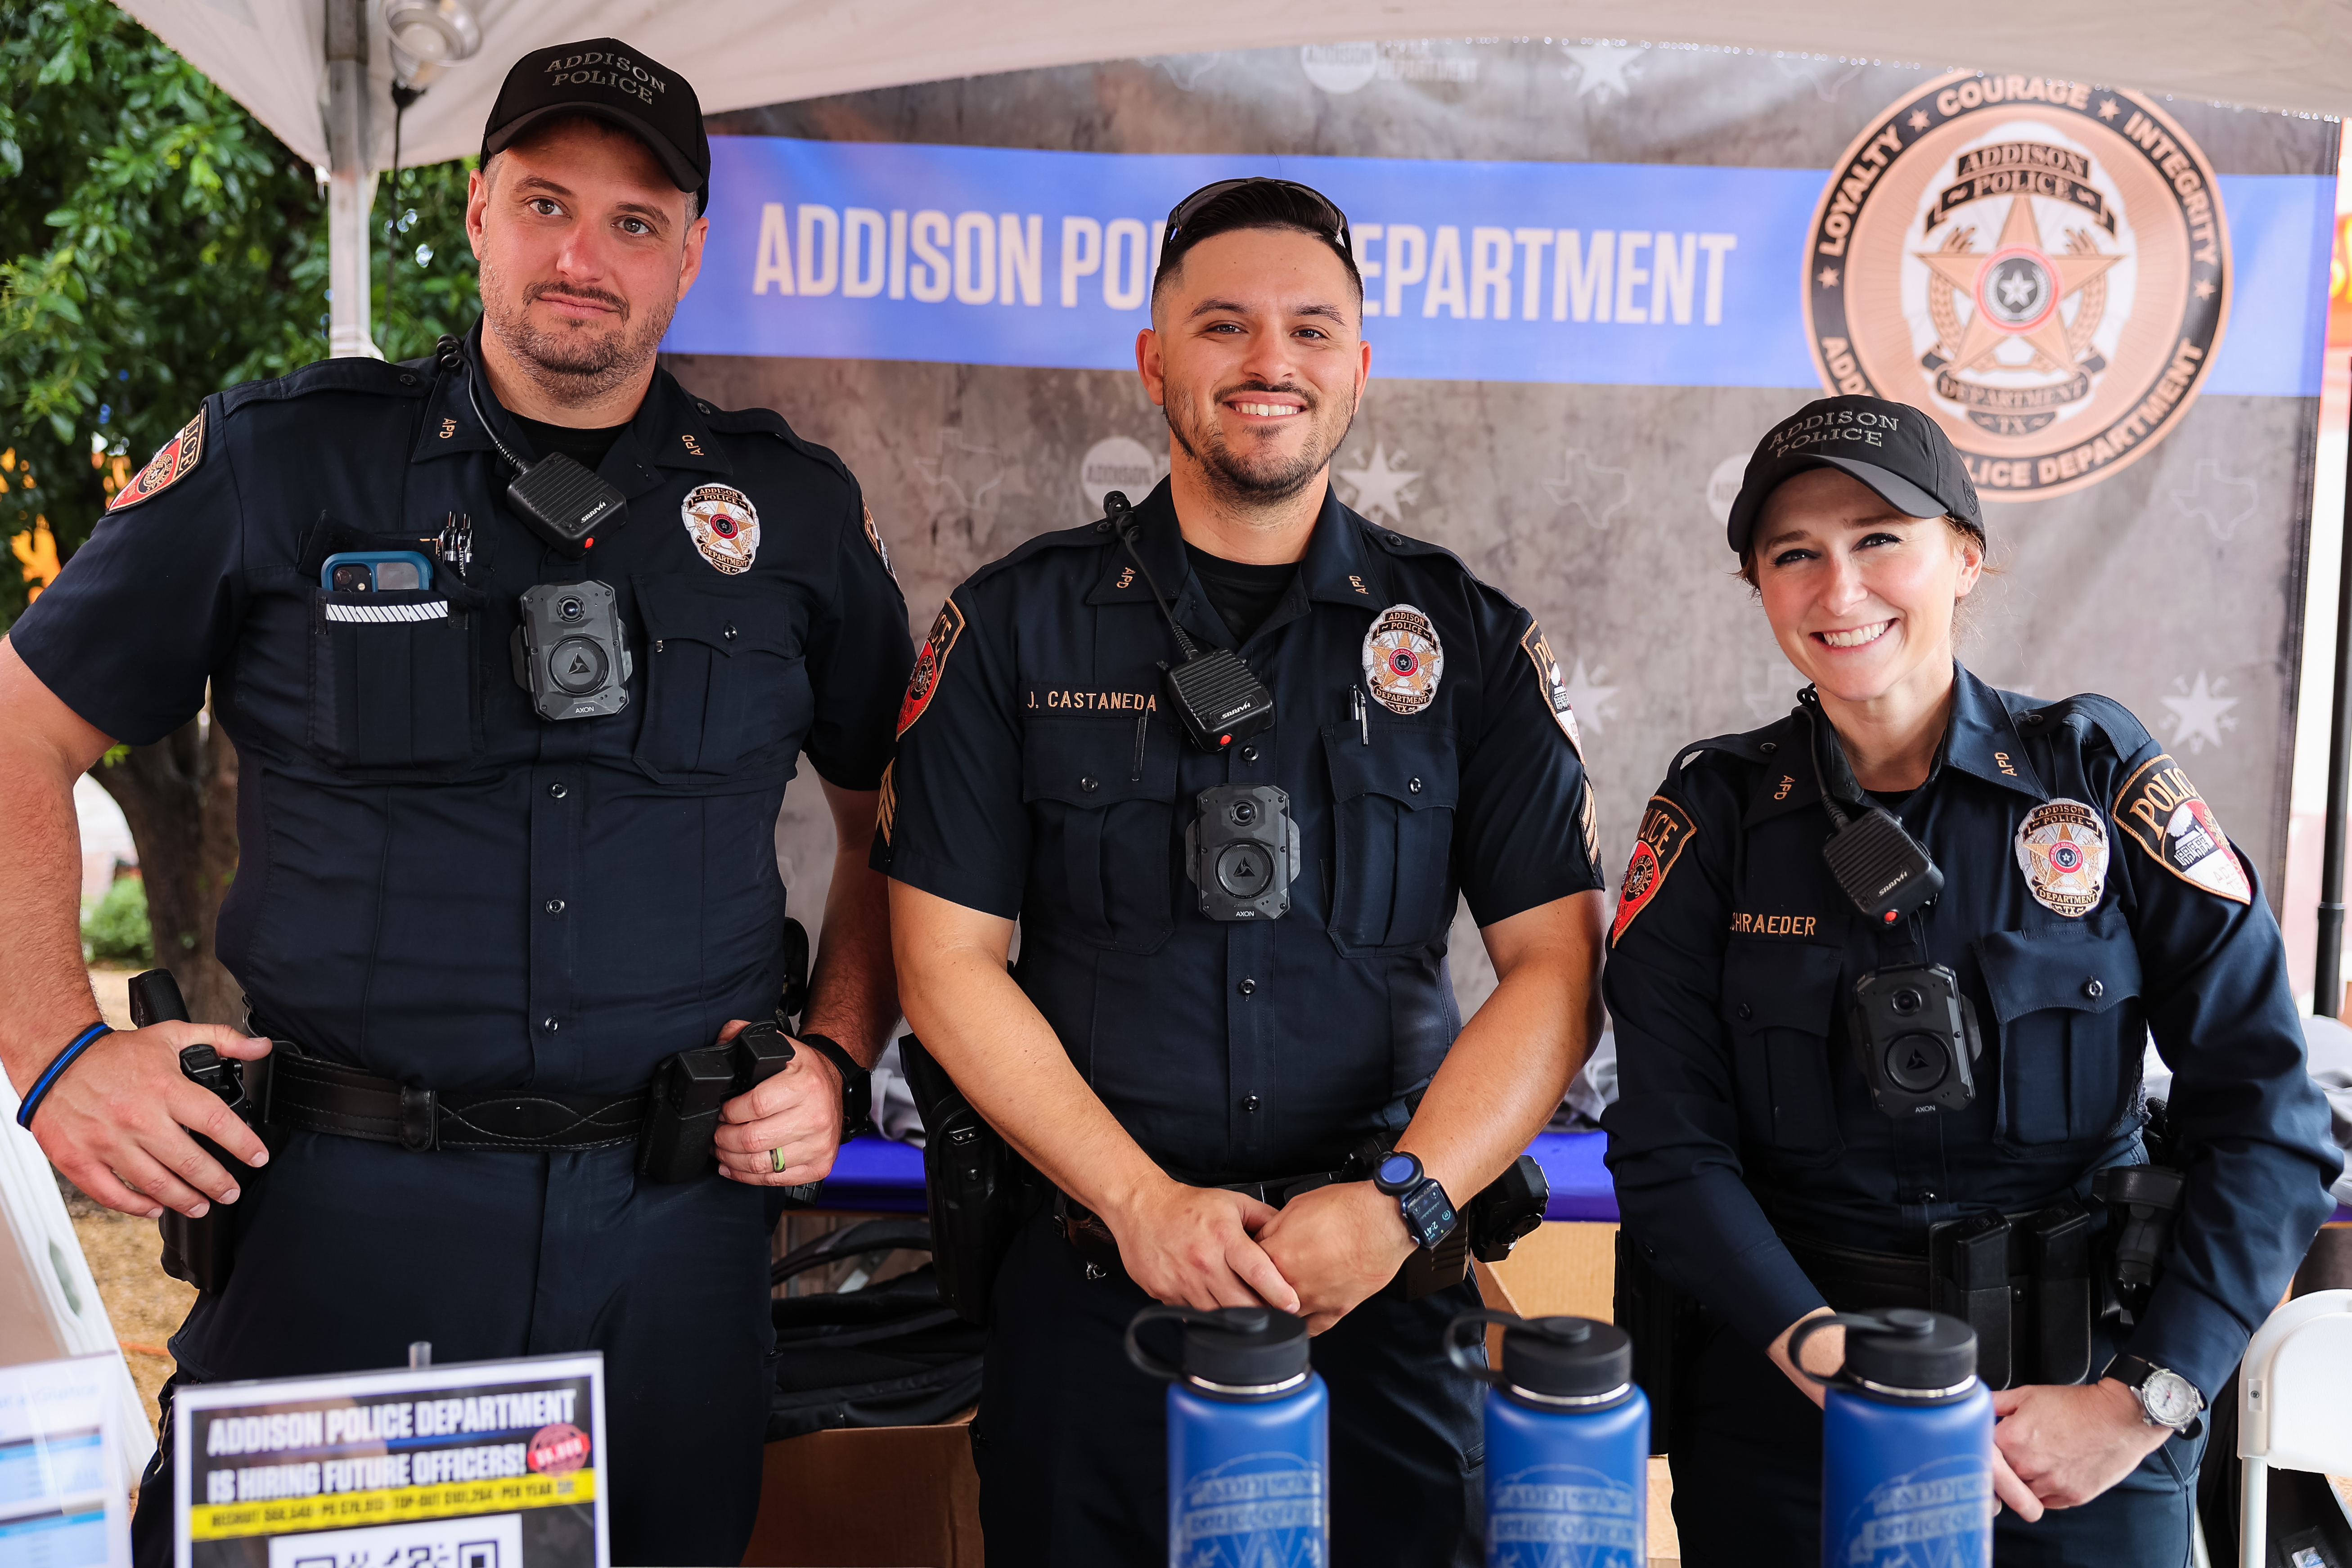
<point>2327,971</point>
<point>351,183</point>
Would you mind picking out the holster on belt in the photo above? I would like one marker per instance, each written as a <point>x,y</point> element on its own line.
<point>978,1191</point>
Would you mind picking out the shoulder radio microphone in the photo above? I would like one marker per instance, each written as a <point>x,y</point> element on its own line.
<point>1216,696</point>
<point>1914,1028</point>
<point>558,498</point>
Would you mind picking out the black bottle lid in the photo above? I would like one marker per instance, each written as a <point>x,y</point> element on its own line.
<point>1567,1358</point>
<point>1906,1350</point>
<point>1244,1347</point>
<point>1248,1352</point>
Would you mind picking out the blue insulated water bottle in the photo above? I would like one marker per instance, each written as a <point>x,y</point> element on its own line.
<point>1567,1443</point>
<point>1248,1439</point>
<point>1906,1442</point>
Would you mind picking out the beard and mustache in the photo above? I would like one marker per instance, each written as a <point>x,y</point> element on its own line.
<point>1259,473</point>
<point>574,362</point>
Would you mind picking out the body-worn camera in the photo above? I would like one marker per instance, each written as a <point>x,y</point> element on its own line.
<point>1917,1037</point>
<point>572,653</point>
<point>1242,852</point>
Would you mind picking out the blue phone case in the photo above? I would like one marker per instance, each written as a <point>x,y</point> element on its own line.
<point>375,560</point>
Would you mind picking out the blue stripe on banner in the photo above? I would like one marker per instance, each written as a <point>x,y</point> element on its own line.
<point>1610,274</point>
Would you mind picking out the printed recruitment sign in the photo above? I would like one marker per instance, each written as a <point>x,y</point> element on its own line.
<point>479,1465</point>
<point>63,1496</point>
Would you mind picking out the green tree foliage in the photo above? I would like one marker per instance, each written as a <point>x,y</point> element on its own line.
<point>157,244</point>
<point>114,930</point>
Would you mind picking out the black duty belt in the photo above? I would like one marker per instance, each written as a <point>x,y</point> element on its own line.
<point>319,1096</point>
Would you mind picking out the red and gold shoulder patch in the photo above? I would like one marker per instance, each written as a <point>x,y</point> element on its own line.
<point>2168,817</point>
<point>174,461</point>
<point>1548,676</point>
<point>1665,828</point>
<point>930,665</point>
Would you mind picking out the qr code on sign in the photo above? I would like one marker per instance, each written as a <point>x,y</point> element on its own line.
<point>491,1543</point>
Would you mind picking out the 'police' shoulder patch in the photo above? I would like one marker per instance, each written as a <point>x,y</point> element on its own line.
<point>1404,660</point>
<point>1665,829</point>
<point>1538,647</point>
<point>724,526</point>
<point>2166,816</point>
<point>174,461</point>
<point>2062,848</point>
<point>874,538</point>
<point>930,663</point>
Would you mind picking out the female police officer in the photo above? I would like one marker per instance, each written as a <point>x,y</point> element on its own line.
<point>1785,1144</point>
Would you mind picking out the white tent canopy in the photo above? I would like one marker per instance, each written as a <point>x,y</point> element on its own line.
<point>271,54</point>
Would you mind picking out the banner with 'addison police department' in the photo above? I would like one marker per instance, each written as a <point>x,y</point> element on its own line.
<point>1594,274</point>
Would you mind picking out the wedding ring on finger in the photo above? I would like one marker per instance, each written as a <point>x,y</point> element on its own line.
<point>776,1160</point>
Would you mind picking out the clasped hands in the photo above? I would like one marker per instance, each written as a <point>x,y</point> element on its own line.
<point>1318,1256</point>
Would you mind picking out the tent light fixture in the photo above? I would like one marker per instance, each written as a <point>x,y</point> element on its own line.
<point>434,32</point>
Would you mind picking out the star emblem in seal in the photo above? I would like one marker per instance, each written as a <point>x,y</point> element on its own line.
<point>1403,659</point>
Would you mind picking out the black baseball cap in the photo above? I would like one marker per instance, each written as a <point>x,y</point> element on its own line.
<point>1895,449</point>
<point>608,79</point>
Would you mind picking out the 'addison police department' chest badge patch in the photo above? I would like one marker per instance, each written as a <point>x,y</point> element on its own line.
<point>1404,660</point>
<point>2061,847</point>
<point>724,526</point>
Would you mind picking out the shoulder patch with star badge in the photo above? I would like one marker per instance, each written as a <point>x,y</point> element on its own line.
<point>2062,848</point>
<point>174,461</point>
<point>2167,816</point>
<point>1666,828</point>
<point>1538,647</point>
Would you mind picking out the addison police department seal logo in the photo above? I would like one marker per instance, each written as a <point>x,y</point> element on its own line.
<point>2061,847</point>
<point>724,526</point>
<point>1402,659</point>
<point>2042,265</point>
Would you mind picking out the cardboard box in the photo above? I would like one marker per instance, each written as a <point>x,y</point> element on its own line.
<point>874,1497</point>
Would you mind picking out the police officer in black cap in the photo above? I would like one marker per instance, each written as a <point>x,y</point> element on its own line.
<point>1233,956</point>
<point>518,646</point>
<point>1881,976</point>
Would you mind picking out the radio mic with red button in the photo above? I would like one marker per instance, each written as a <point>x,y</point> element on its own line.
<point>1217,697</point>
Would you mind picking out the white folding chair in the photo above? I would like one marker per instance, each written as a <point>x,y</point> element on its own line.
<point>2294,1404</point>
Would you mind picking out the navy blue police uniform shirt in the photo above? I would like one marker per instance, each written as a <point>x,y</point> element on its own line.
<point>2091,898</point>
<point>435,883</point>
<point>1040,775</point>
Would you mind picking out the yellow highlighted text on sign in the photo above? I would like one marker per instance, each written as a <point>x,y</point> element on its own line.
<point>393,1505</point>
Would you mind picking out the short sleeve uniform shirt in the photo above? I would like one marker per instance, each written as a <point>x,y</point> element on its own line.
<point>1423,737</point>
<point>436,883</point>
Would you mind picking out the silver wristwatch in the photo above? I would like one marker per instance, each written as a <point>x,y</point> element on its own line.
<point>2166,1398</point>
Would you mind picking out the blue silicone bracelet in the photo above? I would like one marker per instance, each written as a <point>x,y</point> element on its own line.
<point>65,1059</point>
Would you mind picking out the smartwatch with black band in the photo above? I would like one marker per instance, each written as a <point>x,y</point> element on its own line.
<point>1428,1213</point>
<point>856,1083</point>
<point>2166,1398</point>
